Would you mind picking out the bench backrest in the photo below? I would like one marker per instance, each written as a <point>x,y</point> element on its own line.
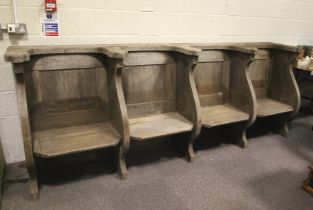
<point>149,83</point>
<point>212,77</point>
<point>66,90</point>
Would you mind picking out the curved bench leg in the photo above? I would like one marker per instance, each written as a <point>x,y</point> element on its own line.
<point>190,154</point>
<point>121,163</point>
<point>284,130</point>
<point>279,124</point>
<point>34,190</point>
<point>243,142</point>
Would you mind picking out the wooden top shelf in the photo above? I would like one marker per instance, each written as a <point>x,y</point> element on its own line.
<point>61,141</point>
<point>158,125</point>
<point>268,107</point>
<point>221,115</point>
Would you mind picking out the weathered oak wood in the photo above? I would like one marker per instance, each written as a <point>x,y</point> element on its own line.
<point>274,83</point>
<point>75,100</point>
<point>61,141</point>
<point>160,93</point>
<point>225,90</point>
<point>118,111</point>
<point>27,136</point>
<point>222,115</point>
<point>267,107</point>
<point>160,125</point>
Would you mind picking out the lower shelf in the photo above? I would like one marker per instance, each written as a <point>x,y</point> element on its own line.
<point>61,141</point>
<point>221,115</point>
<point>158,125</point>
<point>268,107</point>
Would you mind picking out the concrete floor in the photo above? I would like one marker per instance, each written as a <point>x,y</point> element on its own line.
<point>266,175</point>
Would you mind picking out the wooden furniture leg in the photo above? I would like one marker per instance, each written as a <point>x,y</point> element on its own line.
<point>284,130</point>
<point>118,112</point>
<point>28,145</point>
<point>188,102</point>
<point>278,124</point>
<point>242,94</point>
<point>243,142</point>
<point>121,163</point>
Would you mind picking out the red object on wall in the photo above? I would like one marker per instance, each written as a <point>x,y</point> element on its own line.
<point>51,5</point>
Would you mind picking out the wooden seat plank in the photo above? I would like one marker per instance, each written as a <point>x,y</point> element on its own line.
<point>221,115</point>
<point>158,125</point>
<point>268,106</point>
<point>61,141</point>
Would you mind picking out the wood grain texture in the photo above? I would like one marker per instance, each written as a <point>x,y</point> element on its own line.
<point>143,128</point>
<point>283,85</point>
<point>70,105</point>
<point>142,97</point>
<point>225,89</point>
<point>221,115</point>
<point>275,85</point>
<point>68,140</point>
<point>158,80</point>
<point>27,136</point>
<point>274,82</point>
<point>241,94</point>
<point>187,98</point>
<point>267,107</point>
<point>118,111</point>
<point>20,54</point>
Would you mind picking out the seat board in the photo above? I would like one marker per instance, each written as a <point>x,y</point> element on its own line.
<point>221,115</point>
<point>158,125</point>
<point>268,107</point>
<point>61,141</point>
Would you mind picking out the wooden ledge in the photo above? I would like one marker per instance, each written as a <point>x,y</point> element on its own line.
<point>158,125</point>
<point>268,45</point>
<point>228,47</point>
<point>187,50</point>
<point>20,54</point>
<point>267,107</point>
<point>62,141</point>
<point>221,115</point>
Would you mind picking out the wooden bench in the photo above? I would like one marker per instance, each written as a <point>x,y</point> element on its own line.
<point>224,88</point>
<point>277,93</point>
<point>68,101</point>
<point>159,92</point>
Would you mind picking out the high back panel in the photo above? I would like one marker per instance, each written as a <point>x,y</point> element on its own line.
<point>149,84</point>
<point>212,78</point>
<point>259,74</point>
<point>66,90</point>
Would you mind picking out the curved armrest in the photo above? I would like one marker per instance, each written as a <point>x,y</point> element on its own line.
<point>117,106</point>
<point>188,103</point>
<point>241,93</point>
<point>283,85</point>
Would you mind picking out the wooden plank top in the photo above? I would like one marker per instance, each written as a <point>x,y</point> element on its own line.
<point>268,45</point>
<point>20,54</point>
<point>158,125</point>
<point>247,45</point>
<point>229,47</point>
<point>268,107</point>
<point>221,114</point>
<point>185,49</point>
<point>61,141</point>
